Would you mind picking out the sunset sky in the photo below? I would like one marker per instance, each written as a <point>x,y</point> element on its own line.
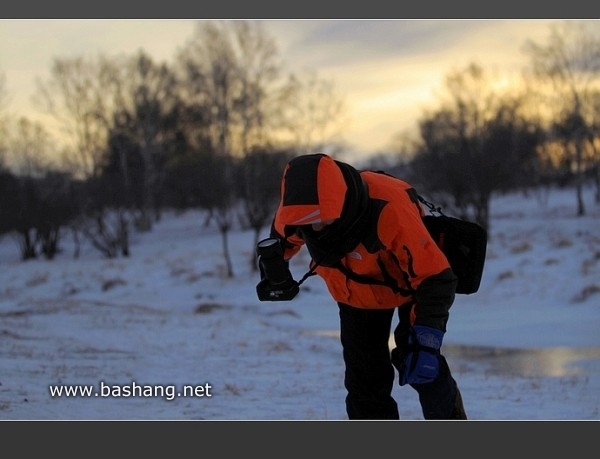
<point>387,71</point>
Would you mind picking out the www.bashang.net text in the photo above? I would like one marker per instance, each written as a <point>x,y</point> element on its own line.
<point>133,389</point>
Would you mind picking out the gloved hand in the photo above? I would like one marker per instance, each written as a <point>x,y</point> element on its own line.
<point>421,363</point>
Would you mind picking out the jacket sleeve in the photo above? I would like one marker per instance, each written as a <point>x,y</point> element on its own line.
<point>433,298</point>
<point>427,270</point>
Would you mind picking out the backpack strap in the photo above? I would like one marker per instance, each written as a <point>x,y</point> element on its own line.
<point>432,207</point>
<point>388,280</point>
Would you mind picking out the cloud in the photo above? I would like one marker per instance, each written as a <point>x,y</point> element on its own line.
<point>386,69</point>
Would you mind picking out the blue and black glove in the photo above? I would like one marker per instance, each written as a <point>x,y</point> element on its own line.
<point>421,363</point>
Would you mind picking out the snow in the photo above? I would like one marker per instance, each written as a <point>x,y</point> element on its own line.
<point>526,346</point>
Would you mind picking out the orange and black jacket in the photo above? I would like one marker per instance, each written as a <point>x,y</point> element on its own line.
<point>377,254</point>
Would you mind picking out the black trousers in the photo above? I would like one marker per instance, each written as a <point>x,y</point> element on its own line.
<point>370,368</point>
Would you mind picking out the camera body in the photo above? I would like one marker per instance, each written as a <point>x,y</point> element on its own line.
<point>277,283</point>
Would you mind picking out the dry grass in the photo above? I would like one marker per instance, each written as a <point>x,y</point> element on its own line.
<point>586,292</point>
<point>207,308</point>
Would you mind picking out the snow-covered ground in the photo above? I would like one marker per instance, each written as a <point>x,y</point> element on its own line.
<point>526,346</point>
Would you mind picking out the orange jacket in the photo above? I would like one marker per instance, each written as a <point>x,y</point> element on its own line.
<point>395,261</point>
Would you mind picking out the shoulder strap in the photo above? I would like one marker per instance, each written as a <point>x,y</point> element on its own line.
<point>388,280</point>
<point>432,207</point>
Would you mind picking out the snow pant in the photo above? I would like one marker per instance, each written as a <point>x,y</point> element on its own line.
<point>369,368</point>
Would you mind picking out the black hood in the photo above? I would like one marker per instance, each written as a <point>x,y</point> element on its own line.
<point>329,245</point>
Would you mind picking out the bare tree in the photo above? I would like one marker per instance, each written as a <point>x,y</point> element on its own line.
<point>478,142</point>
<point>76,96</point>
<point>146,116</point>
<point>81,95</point>
<point>260,84</point>
<point>231,68</point>
<point>259,180</point>
<point>30,148</point>
<point>314,112</point>
<point>211,75</point>
<point>260,105</point>
<point>570,63</point>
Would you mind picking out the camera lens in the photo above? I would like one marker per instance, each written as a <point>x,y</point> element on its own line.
<point>269,247</point>
<point>271,261</point>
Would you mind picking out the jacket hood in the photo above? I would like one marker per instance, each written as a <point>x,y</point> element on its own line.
<point>317,188</point>
<point>313,190</point>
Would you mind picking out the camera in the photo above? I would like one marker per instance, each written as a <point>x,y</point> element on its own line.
<point>277,283</point>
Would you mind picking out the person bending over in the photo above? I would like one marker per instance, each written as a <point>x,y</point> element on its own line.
<point>367,241</point>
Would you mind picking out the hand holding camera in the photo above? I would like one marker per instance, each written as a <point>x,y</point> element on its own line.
<point>277,283</point>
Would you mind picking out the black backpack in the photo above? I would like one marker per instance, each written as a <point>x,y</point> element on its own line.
<point>463,242</point>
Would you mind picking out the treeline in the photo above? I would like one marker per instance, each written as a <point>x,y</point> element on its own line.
<point>486,136</point>
<point>213,129</point>
<point>207,130</point>
<point>104,209</point>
